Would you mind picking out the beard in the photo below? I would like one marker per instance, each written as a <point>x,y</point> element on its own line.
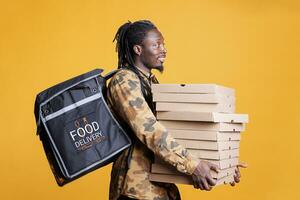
<point>160,68</point>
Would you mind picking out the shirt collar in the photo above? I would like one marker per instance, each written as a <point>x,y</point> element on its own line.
<point>145,73</point>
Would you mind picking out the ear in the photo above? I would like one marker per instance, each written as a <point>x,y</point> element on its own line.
<point>137,49</point>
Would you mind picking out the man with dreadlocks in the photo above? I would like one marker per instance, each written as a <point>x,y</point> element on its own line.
<point>140,48</point>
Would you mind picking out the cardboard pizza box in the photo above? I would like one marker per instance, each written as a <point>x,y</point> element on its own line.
<point>193,98</point>
<point>192,88</point>
<point>204,126</point>
<point>202,116</point>
<point>209,145</point>
<point>196,107</point>
<point>227,163</point>
<point>214,155</point>
<point>169,169</point>
<point>205,135</point>
<point>222,164</point>
<point>180,179</point>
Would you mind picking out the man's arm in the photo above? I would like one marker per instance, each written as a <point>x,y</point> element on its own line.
<point>127,97</point>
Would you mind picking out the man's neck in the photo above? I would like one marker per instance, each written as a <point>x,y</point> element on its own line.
<point>143,68</point>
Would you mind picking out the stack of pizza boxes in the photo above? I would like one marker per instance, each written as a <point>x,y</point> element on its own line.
<point>202,118</point>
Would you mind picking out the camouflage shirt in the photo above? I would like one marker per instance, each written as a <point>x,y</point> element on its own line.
<point>126,99</point>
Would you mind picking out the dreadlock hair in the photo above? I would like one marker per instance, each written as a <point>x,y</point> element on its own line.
<point>128,35</point>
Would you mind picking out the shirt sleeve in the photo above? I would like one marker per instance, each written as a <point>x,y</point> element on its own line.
<point>128,100</point>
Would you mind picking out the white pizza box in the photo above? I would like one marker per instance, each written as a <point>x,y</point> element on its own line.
<point>192,88</point>
<point>205,135</point>
<point>169,169</point>
<point>222,164</point>
<point>193,98</point>
<point>202,116</point>
<point>203,126</point>
<point>198,107</point>
<point>209,145</point>
<point>214,155</point>
<point>184,179</point>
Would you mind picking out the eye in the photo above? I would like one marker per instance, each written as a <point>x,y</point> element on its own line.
<point>155,45</point>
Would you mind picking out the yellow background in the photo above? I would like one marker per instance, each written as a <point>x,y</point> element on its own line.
<point>250,45</point>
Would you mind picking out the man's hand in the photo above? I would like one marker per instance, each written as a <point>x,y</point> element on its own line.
<point>202,177</point>
<point>237,174</point>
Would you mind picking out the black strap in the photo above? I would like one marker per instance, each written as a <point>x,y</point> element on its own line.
<point>110,74</point>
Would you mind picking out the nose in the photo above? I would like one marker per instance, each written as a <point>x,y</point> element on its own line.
<point>163,49</point>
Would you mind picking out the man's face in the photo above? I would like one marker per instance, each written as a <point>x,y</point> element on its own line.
<point>153,50</point>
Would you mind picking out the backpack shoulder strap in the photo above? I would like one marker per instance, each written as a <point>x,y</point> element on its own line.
<point>110,74</point>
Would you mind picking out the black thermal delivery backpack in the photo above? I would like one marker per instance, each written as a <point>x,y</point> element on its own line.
<point>76,127</point>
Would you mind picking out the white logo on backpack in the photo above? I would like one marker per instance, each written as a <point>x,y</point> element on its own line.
<point>84,136</point>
